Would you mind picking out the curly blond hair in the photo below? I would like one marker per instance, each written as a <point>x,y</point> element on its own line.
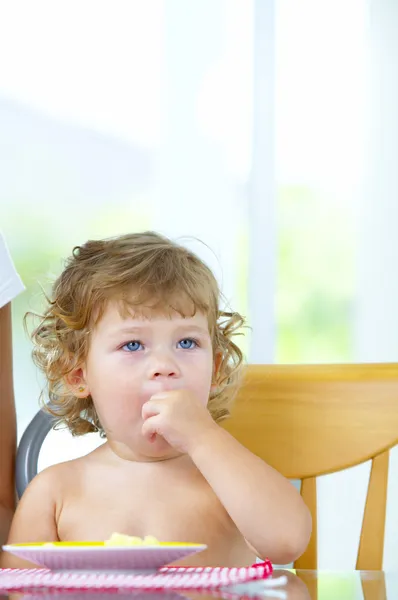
<point>141,271</point>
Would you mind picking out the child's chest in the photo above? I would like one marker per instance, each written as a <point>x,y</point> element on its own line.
<point>170,507</point>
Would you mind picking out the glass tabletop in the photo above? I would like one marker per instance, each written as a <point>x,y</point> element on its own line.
<point>344,585</point>
<point>301,585</point>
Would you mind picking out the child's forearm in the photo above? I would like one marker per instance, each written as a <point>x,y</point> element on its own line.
<point>266,508</point>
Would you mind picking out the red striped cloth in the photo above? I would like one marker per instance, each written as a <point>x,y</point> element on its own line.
<point>167,578</point>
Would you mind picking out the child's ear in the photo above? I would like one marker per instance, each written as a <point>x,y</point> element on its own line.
<point>76,382</point>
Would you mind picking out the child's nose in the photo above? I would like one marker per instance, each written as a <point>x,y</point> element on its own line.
<point>167,373</point>
<point>164,367</point>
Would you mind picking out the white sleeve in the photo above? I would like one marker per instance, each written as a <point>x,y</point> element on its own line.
<point>10,282</point>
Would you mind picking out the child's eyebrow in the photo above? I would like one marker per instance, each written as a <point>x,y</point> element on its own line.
<point>193,328</point>
<point>139,329</point>
<point>128,330</point>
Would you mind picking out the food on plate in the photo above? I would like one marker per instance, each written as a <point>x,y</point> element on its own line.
<point>119,539</point>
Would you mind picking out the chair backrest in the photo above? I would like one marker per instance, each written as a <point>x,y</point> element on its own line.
<point>310,420</point>
<point>29,449</point>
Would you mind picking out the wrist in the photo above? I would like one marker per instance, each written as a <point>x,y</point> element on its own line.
<point>206,441</point>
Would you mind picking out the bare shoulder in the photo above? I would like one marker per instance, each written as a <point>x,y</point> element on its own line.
<point>51,481</point>
<point>40,499</point>
<point>65,478</point>
<point>36,517</point>
<point>38,510</point>
<point>43,486</point>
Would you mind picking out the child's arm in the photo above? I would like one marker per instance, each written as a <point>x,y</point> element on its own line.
<point>35,517</point>
<point>266,508</point>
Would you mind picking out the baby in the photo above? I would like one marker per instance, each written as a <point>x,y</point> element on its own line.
<point>134,345</point>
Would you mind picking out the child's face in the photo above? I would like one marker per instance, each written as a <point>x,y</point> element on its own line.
<point>130,359</point>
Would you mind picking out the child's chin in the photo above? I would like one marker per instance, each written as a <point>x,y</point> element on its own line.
<point>160,448</point>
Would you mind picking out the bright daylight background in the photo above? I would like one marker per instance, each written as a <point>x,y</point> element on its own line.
<point>266,128</point>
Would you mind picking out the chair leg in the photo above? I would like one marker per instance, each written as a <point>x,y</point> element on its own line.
<point>374,589</point>
<point>309,578</point>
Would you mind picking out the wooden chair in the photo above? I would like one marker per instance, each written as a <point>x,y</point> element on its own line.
<point>310,420</point>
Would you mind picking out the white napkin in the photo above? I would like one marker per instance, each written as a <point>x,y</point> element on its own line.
<point>10,282</point>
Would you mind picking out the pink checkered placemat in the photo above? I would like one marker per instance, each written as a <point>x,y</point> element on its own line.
<point>167,578</point>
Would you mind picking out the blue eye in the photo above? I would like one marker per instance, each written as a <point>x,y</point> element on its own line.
<point>187,344</point>
<point>132,346</point>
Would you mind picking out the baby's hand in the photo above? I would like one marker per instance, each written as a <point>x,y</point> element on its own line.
<point>178,417</point>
